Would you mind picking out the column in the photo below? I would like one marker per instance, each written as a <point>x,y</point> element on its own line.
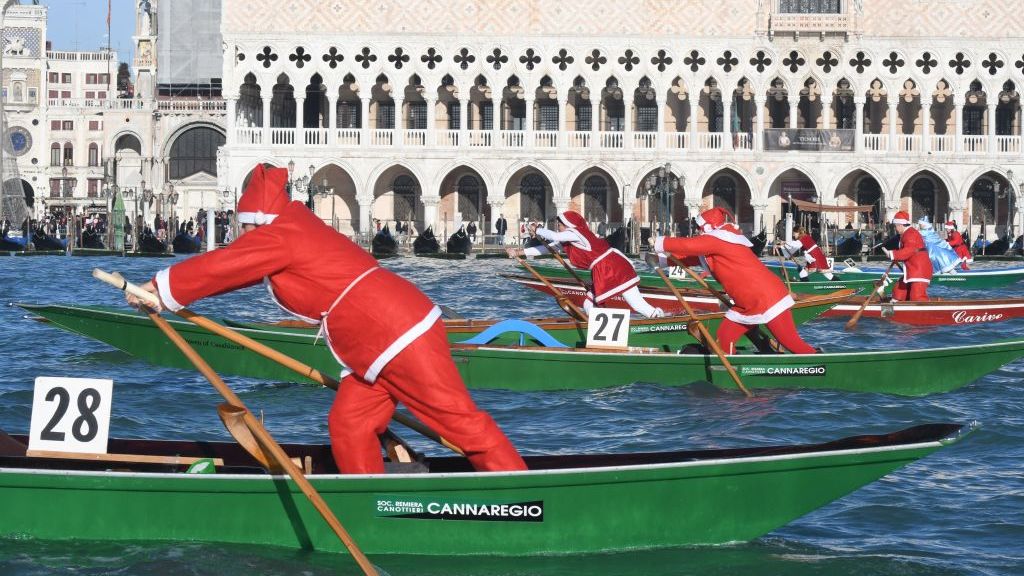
<point>595,121</point>
<point>794,108</point>
<point>694,206</point>
<point>726,123</point>
<point>826,112</point>
<point>430,211</point>
<point>364,124</point>
<point>891,206</point>
<point>463,121</point>
<point>991,125</point>
<point>892,126</point>
<point>659,130</point>
<point>332,132</point>
<point>561,203</point>
<point>365,218</point>
<point>431,137</point>
<point>399,138</point>
<point>266,120</point>
<point>563,105</point>
<point>759,132</point>
<point>528,128</point>
<point>956,213</point>
<point>627,121</point>
<point>497,208</point>
<point>495,119</point>
<point>694,107</point>
<point>858,115</point>
<point>211,236</point>
<point>759,208</point>
<point>926,128</point>
<point>958,119</point>
<point>232,121</point>
<point>300,121</point>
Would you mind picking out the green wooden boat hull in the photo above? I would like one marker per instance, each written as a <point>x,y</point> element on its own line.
<point>133,333</point>
<point>821,285</point>
<point>971,279</point>
<point>903,372</point>
<point>564,505</point>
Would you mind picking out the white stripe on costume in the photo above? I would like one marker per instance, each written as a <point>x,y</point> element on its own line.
<point>401,343</point>
<point>767,316</point>
<point>729,237</point>
<point>163,286</point>
<point>606,252</point>
<point>258,218</point>
<point>618,289</point>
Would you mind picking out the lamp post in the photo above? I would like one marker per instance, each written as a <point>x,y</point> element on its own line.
<point>663,185</point>
<point>172,198</point>
<point>324,192</point>
<point>298,185</point>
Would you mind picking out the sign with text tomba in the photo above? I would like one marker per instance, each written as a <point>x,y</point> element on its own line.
<point>808,140</point>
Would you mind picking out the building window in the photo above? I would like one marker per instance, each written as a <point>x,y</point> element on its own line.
<point>94,187</point>
<point>69,154</point>
<point>65,78</point>
<point>101,95</point>
<point>532,197</point>
<point>95,125</point>
<point>983,202</point>
<point>405,190</point>
<point>547,116</point>
<point>53,94</point>
<point>54,77</point>
<point>104,78</point>
<point>845,114</point>
<point>90,78</point>
<point>195,151</point>
<point>615,111</point>
<point>90,95</point>
<point>54,124</point>
<point>487,116</point>
<point>94,155</point>
<point>32,94</point>
<point>67,125</point>
<point>809,6</point>
<point>65,94</point>
<point>348,114</point>
<point>19,92</point>
<point>385,115</point>
<point>974,120</point>
<point>54,187</point>
<point>453,115</point>
<point>517,115</point>
<point>583,115</point>
<point>55,154</point>
<point>417,116</point>
<point>595,199</point>
<point>1004,121</point>
<point>647,117</point>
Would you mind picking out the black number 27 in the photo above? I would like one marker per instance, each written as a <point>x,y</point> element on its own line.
<point>603,320</point>
<point>83,428</point>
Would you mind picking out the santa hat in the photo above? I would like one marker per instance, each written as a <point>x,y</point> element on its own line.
<point>901,217</point>
<point>715,222</point>
<point>924,224</point>
<point>573,219</point>
<point>264,198</point>
<point>951,225</point>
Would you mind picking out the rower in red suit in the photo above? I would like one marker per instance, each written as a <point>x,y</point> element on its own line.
<point>956,241</point>
<point>759,296</point>
<point>816,261</point>
<point>610,271</point>
<point>385,332</point>
<point>913,257</point>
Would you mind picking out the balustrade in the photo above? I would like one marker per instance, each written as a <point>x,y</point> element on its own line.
<point>545,139</point>
<point>645,139</point>
<point>974,144</point>
<point>876,142</point>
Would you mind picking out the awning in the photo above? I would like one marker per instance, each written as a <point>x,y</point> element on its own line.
<point>806,206</point>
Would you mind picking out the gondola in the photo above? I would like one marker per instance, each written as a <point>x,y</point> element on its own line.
<point>150,244</point>
<point>426,243</point>
<point>997,247</point>
<point>43,241</point>
<point>459,242</point>
<point>185,243</point>
<point>850,245</point>
<point>91,238</point>
<point>384,244</point>
<point>759,242</point>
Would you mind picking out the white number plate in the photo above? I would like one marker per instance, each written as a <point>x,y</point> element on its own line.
<point>71,415</point>
<point>608,328</point>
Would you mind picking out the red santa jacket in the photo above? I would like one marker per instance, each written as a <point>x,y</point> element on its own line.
<point>758,294</point>
<point>917,266</point>
<point>317,274</point>
<point>812,253</point>
<point>956,241</point>
<point>610,271</point>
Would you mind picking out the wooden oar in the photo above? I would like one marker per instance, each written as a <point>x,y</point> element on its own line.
<point>711,342</point>
<point>563,301</point>
<point>879,288</point>
<point>266,441</point>
<point>782,264</point>
<point>267,352</point>
<point>758,337</point>
<point>554,252</point>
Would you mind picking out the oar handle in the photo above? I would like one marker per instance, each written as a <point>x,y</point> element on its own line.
<point>879,288</point>
<point>119,282</point>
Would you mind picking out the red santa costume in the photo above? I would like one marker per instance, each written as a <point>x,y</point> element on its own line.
<point>759,296</point>
<point>816,261</point>
<point>917,267</point>
<point>610,271</point>
<point>956,241</point>
<point>386,333</point>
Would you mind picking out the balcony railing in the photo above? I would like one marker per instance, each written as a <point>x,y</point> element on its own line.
<point>448,138</point>
<point>974,144</point>
<point>545,139</point>
<point>382,137</point>
<point>709,140</point>
<point>250,136</point>
<point>743,141</point>
<point>415,137</point>
<point>480,138</point>
<point>1008,145</point>
<point>192,105</point>
<point>314,136</point>
<point>282,137</point>
<point>645,140</point>
<point>610,139</point>
<point>876,142</point>
<point>677,140</point>
<point>909,143</point>
<point>349,136</point>
<point>941,144</point>
<point>577,139</point>
<point>513,138</point>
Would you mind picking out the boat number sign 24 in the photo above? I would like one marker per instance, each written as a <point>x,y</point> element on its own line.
<point>70,415</point>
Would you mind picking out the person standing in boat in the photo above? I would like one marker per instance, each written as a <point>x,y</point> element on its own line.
<point>816,261</point>
<point>912,255</point>
<point>385,332</point>
<point>956,241</point>
<point>758,295</point>
<point>610,271</point>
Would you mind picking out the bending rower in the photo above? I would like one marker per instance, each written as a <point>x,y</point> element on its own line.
<point>913,256</point>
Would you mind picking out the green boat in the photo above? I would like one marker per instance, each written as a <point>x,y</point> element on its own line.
<point>565,504</point>
<point>968,279</point>
<point>651,280</point>
<point>903,372</point>
<point>134,333</point>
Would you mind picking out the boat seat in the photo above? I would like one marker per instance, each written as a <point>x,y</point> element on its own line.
<point>129,458</point>
<point>523,327</point>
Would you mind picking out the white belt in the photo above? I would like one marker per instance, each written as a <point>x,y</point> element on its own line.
<point>324,315</point>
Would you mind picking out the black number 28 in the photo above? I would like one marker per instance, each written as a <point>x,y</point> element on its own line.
<point>603,320</point>
<point>88,402</point>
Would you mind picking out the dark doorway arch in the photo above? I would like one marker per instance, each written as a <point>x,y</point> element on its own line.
<point>194,151</point>
<point>532,197</point>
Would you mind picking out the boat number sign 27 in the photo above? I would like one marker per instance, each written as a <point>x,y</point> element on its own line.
<point>608,328</point>
<point>70,415</point>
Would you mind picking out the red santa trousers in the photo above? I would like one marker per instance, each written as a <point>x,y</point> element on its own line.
<point>424,378</point>
<point>910,291</point>
<point>782,327</point>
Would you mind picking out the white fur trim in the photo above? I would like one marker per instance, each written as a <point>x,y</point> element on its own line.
<point>659,244</point>
<point>606,253</point>
<point>901,221</point>
<point>401,343</point>
<point>767,316</point>
<point>257,218</point>
<point>730,237</point>
<point>163,286</point>
<point>618,289</point>
<point>564,220</point>
<point>700,220</point>
<point>912,280</point>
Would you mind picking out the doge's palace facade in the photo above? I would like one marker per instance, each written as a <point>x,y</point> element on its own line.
<point>442,112</point>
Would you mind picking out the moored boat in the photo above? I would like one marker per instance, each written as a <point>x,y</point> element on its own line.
<point>134,333</point>
<point>565,504</point>
<point>975,278</point>
<point>934,312</point>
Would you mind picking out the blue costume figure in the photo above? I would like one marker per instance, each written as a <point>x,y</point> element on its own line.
<point>944,258</point>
